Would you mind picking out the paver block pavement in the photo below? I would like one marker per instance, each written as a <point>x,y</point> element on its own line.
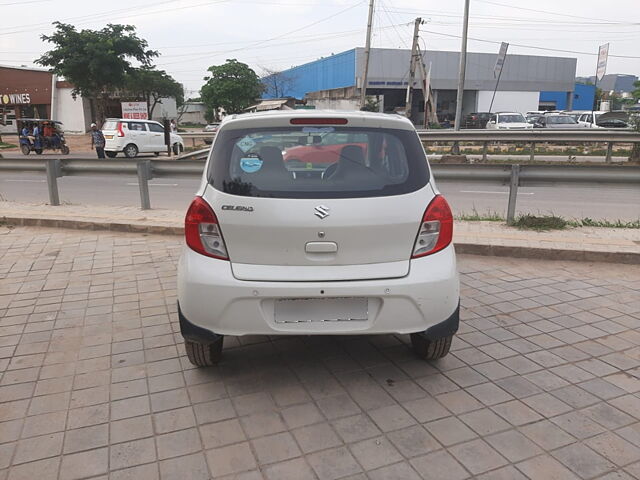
<point>542,381</point>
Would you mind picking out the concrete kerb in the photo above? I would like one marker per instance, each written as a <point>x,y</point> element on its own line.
<point>631,258</point>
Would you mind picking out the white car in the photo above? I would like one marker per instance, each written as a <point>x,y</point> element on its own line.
<point>137,136</point>
<point>508,121</point>
<point>317,223</point>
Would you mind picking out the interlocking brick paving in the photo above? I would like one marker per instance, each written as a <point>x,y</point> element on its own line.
<point>542,382</point>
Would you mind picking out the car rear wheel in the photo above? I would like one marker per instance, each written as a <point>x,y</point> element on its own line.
<point>204,354</point>
<point>130,151</point>
<point>177,149</point>
<point>25,149</point>
<point>111,154</point>
<point>430,349</point>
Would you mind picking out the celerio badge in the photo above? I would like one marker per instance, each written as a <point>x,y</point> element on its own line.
<point>321,212</point>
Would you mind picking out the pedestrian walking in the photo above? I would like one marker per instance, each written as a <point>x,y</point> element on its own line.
<point>97,140</point>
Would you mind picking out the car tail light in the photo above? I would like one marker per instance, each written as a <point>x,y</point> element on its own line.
<point>202,231</point>
<point>436,229</point>
<point>120,131</point>
<point>318,121</point>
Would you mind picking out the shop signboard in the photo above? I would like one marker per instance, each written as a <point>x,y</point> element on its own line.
<point>135,110</point>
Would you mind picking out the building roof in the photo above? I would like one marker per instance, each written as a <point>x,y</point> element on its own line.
<point>18,67</point>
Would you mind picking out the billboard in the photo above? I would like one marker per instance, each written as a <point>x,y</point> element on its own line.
<point>603,55</point>
<point>135,110</point>
<point>502,54</point>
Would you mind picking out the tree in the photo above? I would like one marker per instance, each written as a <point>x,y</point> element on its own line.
<point>96,62</point>
<point>278,84</point>
<point>152,85</point>
<point>232,86</point>
<point>372,104</point>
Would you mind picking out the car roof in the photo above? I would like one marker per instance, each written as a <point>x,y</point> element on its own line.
<point>282,118</point>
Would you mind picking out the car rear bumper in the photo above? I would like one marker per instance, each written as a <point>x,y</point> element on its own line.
<point>212,299</point>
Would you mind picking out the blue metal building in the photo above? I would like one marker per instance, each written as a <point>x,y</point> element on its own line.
<point>527,80</point>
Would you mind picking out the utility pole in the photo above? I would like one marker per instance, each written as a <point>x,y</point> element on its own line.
<point>463,66</point>
<point>367,51</point>
<point>426,88</point>
<point>412,67</point>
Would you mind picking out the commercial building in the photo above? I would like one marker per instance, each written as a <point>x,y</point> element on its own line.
<point>36,93</point>
<point>614,82</point>
<point>334,81</point>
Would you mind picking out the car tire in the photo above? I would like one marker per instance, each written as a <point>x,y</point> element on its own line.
<point>204,354</point>
<point>430,349</point>
<point>157,154</point>
<point>177,149</point>
<point>130,151</point>
<point>111,154</point>
<point>25,149</point>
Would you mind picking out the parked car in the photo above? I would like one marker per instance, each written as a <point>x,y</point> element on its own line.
<point>556,121</point>
<point>476,120</point>
<point>614,119</point>
<point>508,121</point>
<point>575,114</point>
<point>359,246</point>
<point>533,118</point>
<point>137,136</point>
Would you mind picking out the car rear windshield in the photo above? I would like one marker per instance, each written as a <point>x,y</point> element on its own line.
<point>317,162</point>
<point>110,125</point>
<point>514,118</point>
<point>561,120</point>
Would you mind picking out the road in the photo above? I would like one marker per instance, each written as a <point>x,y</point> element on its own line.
<point>602,202</point>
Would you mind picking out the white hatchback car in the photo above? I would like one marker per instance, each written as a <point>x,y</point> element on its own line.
<point>508,121</point>
<point>317,223</point>
<point>137,136</point>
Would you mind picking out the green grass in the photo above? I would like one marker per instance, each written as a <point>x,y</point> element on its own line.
<point>540,223</point>
<point>589,222</point>
<point>475,216</point>
<point>7,145</point>
<point>543,223</point>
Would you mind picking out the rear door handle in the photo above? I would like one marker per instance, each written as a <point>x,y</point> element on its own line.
<point>321,247</point>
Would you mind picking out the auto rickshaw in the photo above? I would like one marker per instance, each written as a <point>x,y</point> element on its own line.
<point>38,135</point>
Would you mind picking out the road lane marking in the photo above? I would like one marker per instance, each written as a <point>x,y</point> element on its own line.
<point>24,180</point>
<point>500,193</point>
<point>156,184</point>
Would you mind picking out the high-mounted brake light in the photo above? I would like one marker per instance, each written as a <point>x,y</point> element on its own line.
<point>436,229</point>
<point>120,131</point>
<point>318,121</point>
<point>202,232</point>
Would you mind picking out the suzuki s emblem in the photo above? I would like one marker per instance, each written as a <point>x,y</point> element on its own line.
<point>321,211</point>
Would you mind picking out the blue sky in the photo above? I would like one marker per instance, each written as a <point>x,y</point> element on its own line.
<point>194,34</point>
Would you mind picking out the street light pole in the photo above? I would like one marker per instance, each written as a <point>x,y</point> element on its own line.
<point>463,66</point>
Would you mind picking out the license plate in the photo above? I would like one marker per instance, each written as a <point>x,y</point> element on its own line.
<point>308,310</point>
<point>108,136</point>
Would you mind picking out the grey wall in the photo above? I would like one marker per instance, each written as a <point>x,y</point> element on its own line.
<point>389,66</point>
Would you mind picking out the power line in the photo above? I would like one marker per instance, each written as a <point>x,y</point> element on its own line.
<point>514,19</point>
<point>541,11</point>
<point>109,15</point>
<point>277,37</point>
<point>528,46</point>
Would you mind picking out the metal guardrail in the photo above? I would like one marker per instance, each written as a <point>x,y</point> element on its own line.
<point>512,175</point>
<point>530,136</point>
